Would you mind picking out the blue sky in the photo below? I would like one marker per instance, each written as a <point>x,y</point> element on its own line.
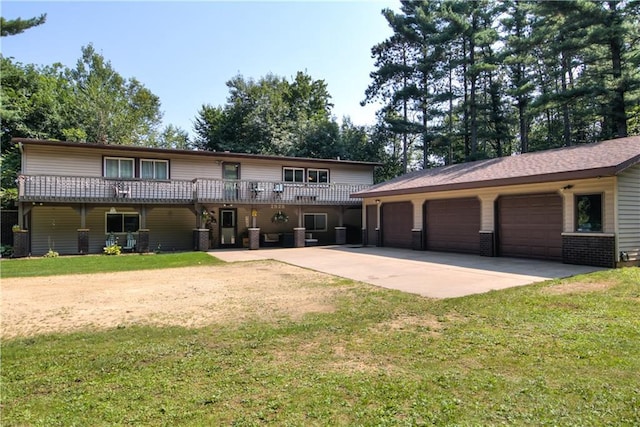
<point>184,52</point>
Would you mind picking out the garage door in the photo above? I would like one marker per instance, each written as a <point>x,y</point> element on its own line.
<point>530,226</point>
<point>397,222</point>
<point>453,225</point>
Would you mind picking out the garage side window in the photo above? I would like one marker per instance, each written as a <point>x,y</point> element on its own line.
<point>588,212</point>
<point>315,222</point>
<point>122,222</point>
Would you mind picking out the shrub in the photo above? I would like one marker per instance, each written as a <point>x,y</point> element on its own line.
<point>51,254</point>
<point>112,250</point>
<point>6,251</point>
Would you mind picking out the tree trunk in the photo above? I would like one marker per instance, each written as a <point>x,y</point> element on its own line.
<point>565,105</point>
<point>618,112</point>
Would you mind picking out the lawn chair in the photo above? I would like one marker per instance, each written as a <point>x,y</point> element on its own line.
<point>111,240</point>
<point>131,243</point>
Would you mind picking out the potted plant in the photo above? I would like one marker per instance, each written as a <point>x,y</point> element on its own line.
<point>279,217</point>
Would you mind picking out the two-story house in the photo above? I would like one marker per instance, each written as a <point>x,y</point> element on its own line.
<point>75,197</point>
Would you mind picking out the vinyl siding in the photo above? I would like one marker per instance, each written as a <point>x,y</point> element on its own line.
<point>629,212</point>
<point>75,161</point>
<point>170,229</point>
<point>54,228</point>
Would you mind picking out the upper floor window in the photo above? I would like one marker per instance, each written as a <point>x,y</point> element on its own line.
<point>588,212</point>
<point>118,167</point>
<point>318,175</point>
<point>293,174</point>
<point>154,169</point>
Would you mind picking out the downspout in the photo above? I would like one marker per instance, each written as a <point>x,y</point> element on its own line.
<point>20,205</point>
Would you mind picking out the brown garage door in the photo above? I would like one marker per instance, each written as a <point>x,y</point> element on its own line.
<point>453,225</point>
<point>530,226</point>
<point>397,222</point>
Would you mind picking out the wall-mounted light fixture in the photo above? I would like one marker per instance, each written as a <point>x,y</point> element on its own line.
<point>377,201</point>
<point>112,210</point>
<point>567,187</point>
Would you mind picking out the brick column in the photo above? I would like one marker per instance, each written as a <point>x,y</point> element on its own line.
<point>378,237</point>
<point>254,238</point>
<point>20,243</point>
<point>201,239</point>
<point>143,240</point>
<point>83,241</point>
<point>487,243</point>
<point>341,235</point>
<point>298,237</point>
<point>416,239</point>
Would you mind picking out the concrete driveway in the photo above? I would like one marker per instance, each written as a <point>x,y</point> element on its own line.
<point>431,274</point>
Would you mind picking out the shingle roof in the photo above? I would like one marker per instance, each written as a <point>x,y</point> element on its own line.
<point>604,158</point>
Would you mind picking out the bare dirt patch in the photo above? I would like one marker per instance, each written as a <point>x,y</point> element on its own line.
<point>578,288</point>
<point>192,297</point>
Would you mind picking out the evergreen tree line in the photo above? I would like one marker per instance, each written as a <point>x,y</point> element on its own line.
<point>466,80</point>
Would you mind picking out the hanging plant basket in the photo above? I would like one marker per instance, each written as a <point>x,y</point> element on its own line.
<point>279,217</point>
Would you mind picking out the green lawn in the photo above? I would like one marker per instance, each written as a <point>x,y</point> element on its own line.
<point>562,352</point>
<point>101,263</point>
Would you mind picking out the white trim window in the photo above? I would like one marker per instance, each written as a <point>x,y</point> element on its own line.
<point>315,222</point>
<point>154,169</point>
<point>588,212</point>
<point>318,176</point>
<point>293,174</point>
<point>118,167</point>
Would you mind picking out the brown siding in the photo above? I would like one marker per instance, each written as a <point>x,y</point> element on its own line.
<point>453,225</point>
<point>397,222</point>
<point>530,226</point>
<point>372,234</point>
<point>54,228</point>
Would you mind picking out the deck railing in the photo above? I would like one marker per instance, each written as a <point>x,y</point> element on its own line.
<point>88,189</point>
<point>274,192</point>
<point>48,188</point>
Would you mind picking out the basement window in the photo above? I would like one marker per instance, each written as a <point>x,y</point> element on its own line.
<point>588,209</point>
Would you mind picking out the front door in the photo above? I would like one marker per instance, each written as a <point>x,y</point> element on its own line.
<point>228,227</point>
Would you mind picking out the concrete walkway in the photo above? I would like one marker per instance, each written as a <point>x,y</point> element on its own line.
<point>431,274</point>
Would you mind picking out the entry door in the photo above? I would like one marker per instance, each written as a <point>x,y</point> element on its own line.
<point>228,227</point>
<point>231,175</point>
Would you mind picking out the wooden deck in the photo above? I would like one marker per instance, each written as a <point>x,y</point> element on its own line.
<point>73,189</point>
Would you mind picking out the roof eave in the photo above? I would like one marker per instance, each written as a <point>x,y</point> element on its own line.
<point>533,179</point>
<point>222,154</point>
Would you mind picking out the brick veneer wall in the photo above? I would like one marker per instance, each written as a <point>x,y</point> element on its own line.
<point>83,241</point>
<point>416,240</point>
<point>598,251</point>
<point>487,244</point>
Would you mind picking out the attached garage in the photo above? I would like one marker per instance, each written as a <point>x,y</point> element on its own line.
<point>576,204</point>
<point>530,226</point>
<point>452,225</point>
<point>397,222</point>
